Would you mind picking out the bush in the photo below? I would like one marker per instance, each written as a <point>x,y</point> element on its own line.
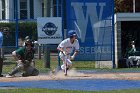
<point>24,29</point>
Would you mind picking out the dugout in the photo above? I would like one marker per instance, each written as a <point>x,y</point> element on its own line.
<point>127,28</point>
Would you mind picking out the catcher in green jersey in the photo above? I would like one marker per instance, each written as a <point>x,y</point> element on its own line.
<point>25,56</point>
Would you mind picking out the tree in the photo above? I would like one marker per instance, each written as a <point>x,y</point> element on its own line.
<point>123,5</point>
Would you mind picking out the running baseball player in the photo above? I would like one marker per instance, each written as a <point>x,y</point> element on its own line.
<point>68,48</point>
<point>25,56</point>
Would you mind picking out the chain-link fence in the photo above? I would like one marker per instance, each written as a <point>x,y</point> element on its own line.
<point>18,20</point>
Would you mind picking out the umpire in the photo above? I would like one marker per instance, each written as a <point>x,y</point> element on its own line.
<point>1,60</point>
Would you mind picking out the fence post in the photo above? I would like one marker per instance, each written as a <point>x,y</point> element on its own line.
<point>39,51</point>
<point>47,57</point>
<point>59,66</point>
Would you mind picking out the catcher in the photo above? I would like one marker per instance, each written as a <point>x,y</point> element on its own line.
<point>25,56</point>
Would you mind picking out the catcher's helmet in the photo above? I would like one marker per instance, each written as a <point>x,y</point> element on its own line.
<point>27,37</point>
<point>71,33</point>
<point>28,42</point>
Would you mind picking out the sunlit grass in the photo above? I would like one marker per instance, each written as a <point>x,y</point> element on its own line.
<point>10,63</point>
<point>39,90</point>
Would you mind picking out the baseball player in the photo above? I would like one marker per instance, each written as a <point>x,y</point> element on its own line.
<point>27,38</point>
<point>25,56</point>
<point>132,56</point>
<point>13,53</point>
<point>69,47</point>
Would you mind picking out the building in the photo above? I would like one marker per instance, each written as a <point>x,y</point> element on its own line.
<point>126,30</point>
<point>27,9</point>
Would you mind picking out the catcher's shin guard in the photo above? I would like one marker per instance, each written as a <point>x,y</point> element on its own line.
<point>15,70</point>
<point>1,65</point>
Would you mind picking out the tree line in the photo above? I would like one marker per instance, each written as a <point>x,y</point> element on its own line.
<point>126,5</point>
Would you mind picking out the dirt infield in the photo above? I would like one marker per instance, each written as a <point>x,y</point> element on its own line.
<point>76,75</point>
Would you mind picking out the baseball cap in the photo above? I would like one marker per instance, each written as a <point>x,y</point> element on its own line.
<point>72,33</point>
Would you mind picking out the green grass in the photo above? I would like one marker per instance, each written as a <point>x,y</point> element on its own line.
<point>79,65</point>
<point>32,90</point>
<point>84,65</point>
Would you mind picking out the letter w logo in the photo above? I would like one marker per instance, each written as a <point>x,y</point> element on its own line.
<point>86,11</point>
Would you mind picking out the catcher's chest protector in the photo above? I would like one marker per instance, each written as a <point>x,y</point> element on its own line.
<point>29,55</point>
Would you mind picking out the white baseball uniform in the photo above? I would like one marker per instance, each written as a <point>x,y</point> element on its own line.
<point>68,47</point>
<point>133,58</point>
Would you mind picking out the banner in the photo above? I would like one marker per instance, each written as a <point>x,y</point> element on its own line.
<point>49,30</point>
<point>93,22</point>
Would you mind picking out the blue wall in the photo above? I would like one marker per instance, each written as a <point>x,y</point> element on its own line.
<point>92,19</point>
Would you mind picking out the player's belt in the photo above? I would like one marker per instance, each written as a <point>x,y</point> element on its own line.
<point>68,54</point>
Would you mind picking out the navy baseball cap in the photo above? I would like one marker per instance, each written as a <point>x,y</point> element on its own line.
<point>72,33</point>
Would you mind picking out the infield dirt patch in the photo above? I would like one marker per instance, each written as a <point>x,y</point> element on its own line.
<point>72,74</point>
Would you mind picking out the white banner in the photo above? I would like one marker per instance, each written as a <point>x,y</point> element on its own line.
<point>49,30</point>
